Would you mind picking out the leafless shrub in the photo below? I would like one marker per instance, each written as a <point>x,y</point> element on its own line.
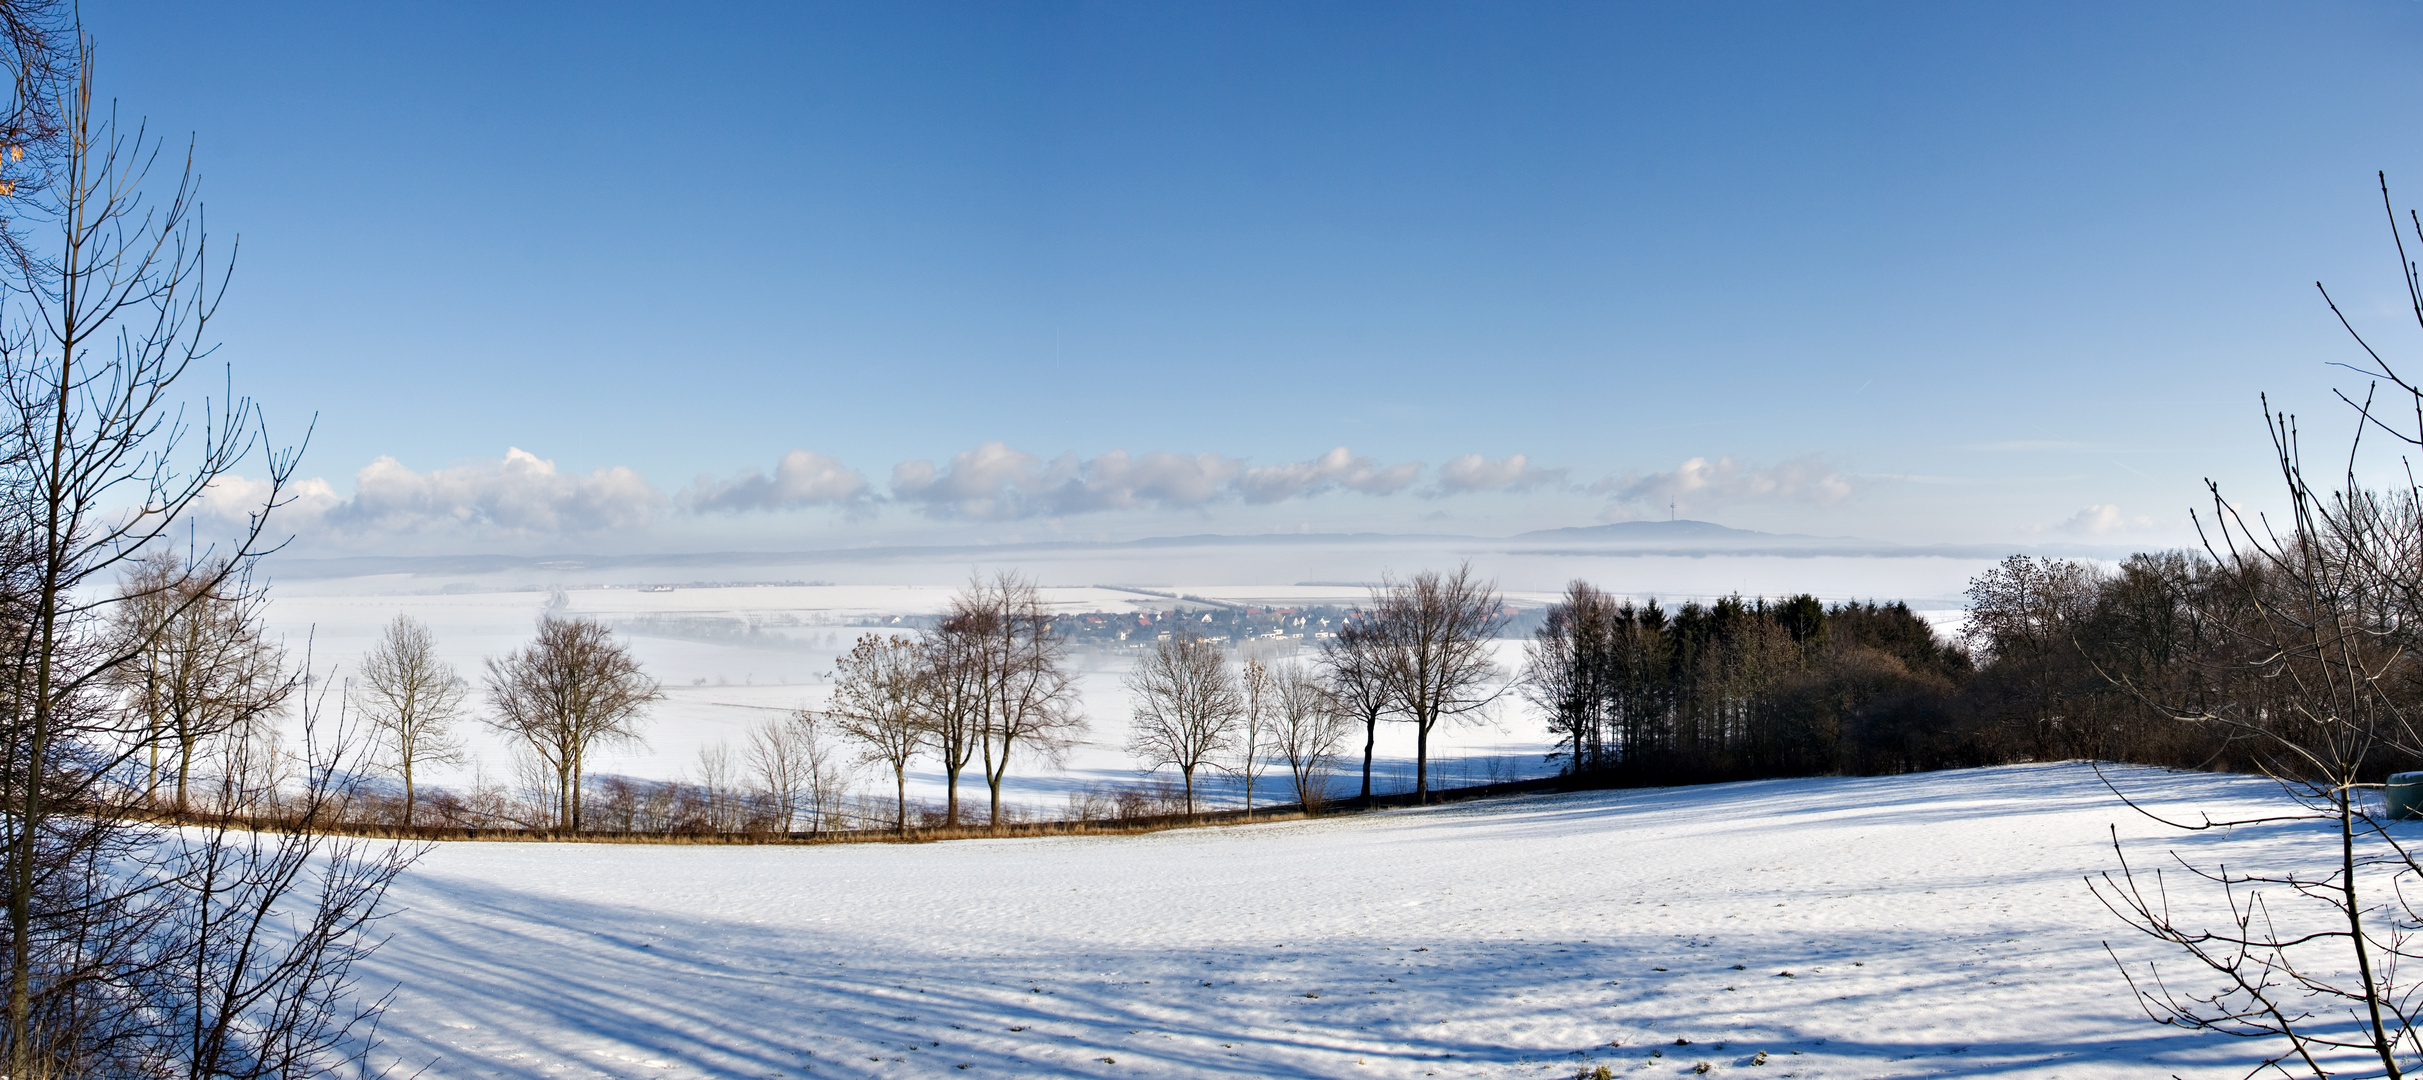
<point>1311,725</point>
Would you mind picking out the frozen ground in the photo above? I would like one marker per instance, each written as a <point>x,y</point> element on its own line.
<point>1932,925</point>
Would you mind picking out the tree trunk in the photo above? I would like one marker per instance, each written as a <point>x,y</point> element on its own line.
<point>1421,764</point>
<point>900,812</point>
<point>950,806</point>
<point>185,764</point>
<point>1371,734</point>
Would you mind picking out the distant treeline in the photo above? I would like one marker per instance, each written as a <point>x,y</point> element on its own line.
<point>2057,659</point>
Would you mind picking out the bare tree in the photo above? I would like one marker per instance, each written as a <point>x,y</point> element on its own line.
<point>135,950</point>
<point>98,463</point>
<point>1435,636</point>
<point>254,932</point>
<point>2318,612</point>
<point>800,769</point>
<point>570,691</point>
<point>199,671</point>
<point>951,697</point>
<point>412,698</point>
<point>1356,663</point>
<point>1029,699</point>
<point>877,688</point>
<point>719,787</point>
<point>828,772</point>
<point>1186,704</point>
<point>1258,694</point>
<point>1568,672</point>
<point>1310,726</point>
<point>40,51</point>
<point>780,765</point>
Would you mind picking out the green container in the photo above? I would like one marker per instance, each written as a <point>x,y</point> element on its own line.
<point>2405,795</point>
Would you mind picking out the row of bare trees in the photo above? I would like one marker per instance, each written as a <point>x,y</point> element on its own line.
<point>987,684</point>
<point>1194,710</point>
<point>1421,653</point>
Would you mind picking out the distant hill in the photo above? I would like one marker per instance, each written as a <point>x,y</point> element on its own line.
<point>1676,532</point>
<point>1690,533</point>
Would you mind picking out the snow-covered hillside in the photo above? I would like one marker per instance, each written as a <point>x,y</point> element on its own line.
<point>1931,925</point>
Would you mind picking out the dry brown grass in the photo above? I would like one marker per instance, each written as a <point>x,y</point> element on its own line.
<point>914,835</point>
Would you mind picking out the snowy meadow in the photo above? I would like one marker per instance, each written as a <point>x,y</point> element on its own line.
<point>1925,925</point>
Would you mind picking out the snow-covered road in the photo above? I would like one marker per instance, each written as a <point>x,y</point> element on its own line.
<point>1931,925</point>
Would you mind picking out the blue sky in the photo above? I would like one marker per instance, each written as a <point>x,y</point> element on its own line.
<point>564,278</point>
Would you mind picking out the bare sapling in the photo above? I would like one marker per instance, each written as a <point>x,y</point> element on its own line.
<point>1258,695</point>
<point>786,758</point>
<point>412,699</point>
<point>1311,726</point>
<point>722,809</point>
<point>2313,617</point>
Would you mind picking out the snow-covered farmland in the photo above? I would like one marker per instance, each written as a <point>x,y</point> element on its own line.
<point>731,657</point>
<point>759,639</point>
<point>1931,925</point>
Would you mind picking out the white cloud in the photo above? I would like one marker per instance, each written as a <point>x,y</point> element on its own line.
<point>1114,480</point>
<point>520,494</point>
<point>802,478</point>
<point>996,483</point>
<point>1701,482</point>
<point>229,502</point>
<point>1333,470</point>
<point>2105,519</point>
<point>1474,473</point>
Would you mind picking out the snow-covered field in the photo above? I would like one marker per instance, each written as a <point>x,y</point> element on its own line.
<point>757,641</point>
<point>1931,925</point>
<point>732,657</point>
